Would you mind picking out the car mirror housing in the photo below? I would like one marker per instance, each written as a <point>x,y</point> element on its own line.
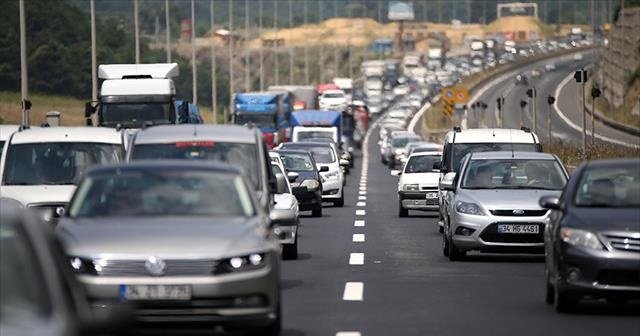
<point>292,176</point>
<point>323,169</point>
<point>448,182</point>
<point>344,162</point>
<point>283,217</point>
<point>396,172</point>
<point>550,202</point>
<point>281,184</point>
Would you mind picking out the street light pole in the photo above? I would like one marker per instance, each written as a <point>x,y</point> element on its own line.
<point>260,46</point>
<point>230,40</point>
<point>290,47</point>
<point>214,89</point>
<point>275,54</point>
<point>321,10</point>
<point>167,30</point>
<point>24,85</point>
<point>136,30</point>
<point>306,48</point>
<point>550,101</point>
<point>194,70</point>
<point>247,52</point>
<point>94,71</point>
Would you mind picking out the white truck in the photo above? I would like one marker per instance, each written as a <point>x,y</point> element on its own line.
<point>477,49</point>
<point>346,85</point>
<point>410,62</point>
<point>434,61</point>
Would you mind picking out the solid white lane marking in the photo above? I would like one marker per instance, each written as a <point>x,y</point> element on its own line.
<point>362,198</point>
<point>356,259</point>
<point>358,238</point>
<point>348,333</point>
<point>362,192</point>
<point>359,223</point>
<point>360,212</point>
<point>361,204</point>
<point>353,291</point>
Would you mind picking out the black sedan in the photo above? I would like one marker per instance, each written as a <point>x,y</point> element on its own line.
<point>592,241</point>
<point>307,186</point>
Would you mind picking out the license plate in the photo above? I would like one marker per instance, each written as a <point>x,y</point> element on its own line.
<point>513,228</point>
<point>432,195</point>
<point>155,292</point>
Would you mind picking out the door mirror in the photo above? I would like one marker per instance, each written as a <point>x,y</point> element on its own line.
<point>292,176</point>
<point>323,169</point>
<point>448,182</point>
<point>344,163</point>
<point>396,172</point>
<point>550,202</point>
<point>282,217</point>
<point>281,184</point>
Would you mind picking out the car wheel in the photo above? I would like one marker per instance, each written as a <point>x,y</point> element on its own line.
<point>455,254</point>
<point>445,245</point>
<point>549,292</point>
<point>402,212</point>
<point>440,229</point>
<point>392,163</point>
<point>317,212</point>
<point>290,251</point>
<point>564,300</point>
<point>340,201</point>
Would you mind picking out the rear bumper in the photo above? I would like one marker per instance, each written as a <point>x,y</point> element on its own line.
<point>416,200</point>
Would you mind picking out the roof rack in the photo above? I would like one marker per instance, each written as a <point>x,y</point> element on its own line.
<point>457,129</point>
<point>525,129</point>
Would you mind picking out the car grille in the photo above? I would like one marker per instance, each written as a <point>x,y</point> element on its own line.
<point>619,278</point>
<point>490,234</point>
<point>432,201</point>
<point>519,213</point>
<point>48,211</point>
<point>624,241</point>
<point>131,268</point>
<point>429,189</point>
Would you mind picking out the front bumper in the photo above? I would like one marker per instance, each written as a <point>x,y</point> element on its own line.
<point>486,238</point>
<point>307,199</point>
<point>599,272</point>
<point>249,298</point>
<point>416,200</point>
<point>332,189</point>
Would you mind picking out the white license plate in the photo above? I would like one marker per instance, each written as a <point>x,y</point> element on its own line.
<point>432,195</point>
<point>513,228</point>
<point>155,292</point>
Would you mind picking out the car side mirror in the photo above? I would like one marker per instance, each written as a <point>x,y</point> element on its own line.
<point>112,319</point>
<point>344,163</point>
<point>292,176</point>
<point>281,184</point>
<point>282,217</point>
<point>323,169</point>
<point>550,202</point>
<point>396,172</point>
<point>448,182</point>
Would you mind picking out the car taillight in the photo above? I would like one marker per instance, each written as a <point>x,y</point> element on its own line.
<point>269,139</point>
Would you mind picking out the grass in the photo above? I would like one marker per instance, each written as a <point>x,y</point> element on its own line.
<point>571,155</point>
<point>623,112</point>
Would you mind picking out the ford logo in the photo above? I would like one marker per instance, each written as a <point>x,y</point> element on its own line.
<point>518,212</point>
<point>155,266</point>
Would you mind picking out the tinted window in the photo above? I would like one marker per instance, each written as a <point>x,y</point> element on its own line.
<point>401,142</point>
<point>168,193</point>
<point>321,154</point>
<point>260,120</point>
<point>514,174</point>
<point>610,187</point>
<point>236,154</point>
<point>55,163</point>
<point>136,113</point>
<point>297,162</point>
<point>421,164</point>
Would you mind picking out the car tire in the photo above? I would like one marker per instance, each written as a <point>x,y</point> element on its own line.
<point>317,212</point>
<point>392,163</point>
<point>455,254</point>
<point>549,290</point>
<point>564,301</point>
<point>340,201</point>
<point>402,212</point>
<point>440,229</point>
<point>445,245</point>
<point>290,251</point>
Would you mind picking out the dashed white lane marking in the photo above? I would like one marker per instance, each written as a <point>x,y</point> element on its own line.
<point>348,333</point>
<point>362,192</point>
<point>358,238</point>
<point>362,198</point>
<point>360,212</point>
<point>361,204</point>
<point>363,188</point>
<point>358,223</point>
<point>353,291</point>
<point>356,259</point>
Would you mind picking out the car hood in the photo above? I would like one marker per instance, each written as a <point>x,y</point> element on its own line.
<point>39,193</point>
<point>305,175</point>
<point>165,237</point>
<point>502,199</point>
<point>426,179</point>
<point>603,219</point>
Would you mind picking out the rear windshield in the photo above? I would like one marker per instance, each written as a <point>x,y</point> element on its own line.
<point>609,187</point>
<point>421,163</point>
<point>462,149</point>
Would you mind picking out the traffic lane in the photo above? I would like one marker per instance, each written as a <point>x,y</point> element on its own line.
<point>312,286</point>
<point>411,289</point>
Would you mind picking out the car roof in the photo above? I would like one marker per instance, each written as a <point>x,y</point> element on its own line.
<point>308,144</point>
<point>293,151</point>
<point>159,165</point>
<point>7,130</point>
<point>512,155</point>
<point>174,133</point>
<point>494,135</point>
<point>613,163</point>
<point>425,154</point>
<point>67,134</point>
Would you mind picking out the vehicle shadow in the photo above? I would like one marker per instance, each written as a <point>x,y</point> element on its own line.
<point>602,307</point>
<point>506,258</point>
<point>286,284</point>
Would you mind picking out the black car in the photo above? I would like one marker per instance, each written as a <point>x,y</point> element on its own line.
<point>39,294</point>
<point>307,187</point>
<point>592,241</point>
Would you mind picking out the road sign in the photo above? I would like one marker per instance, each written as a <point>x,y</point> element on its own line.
<point>457,94</point>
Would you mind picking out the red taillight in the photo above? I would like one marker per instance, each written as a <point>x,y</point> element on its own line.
<point>182,144</point>
<point>269,139</point>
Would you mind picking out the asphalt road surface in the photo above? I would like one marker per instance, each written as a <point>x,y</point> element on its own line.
<point>394,280</point>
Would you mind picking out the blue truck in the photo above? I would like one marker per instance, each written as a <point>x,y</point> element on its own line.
<point>270,111</point>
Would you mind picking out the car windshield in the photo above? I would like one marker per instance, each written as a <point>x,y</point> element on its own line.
<point>135,114</point>
<point>260,120</point>
<point>333,95</point>
<point>514,174</point>
<point>421,163</point>
<point>55,163</point>
<point>609,187</point>
<point>403,141</point>
<point>162,193</point>
<point>238,154</point>
<point>315,135</point>
<point>462,149</point>
<point>297,162</point>
<point>22,284</point>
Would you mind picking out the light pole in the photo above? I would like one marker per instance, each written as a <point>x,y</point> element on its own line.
<point>260,46</point>
<point>550,101</point>
<point>306,48</point>
<point>290,43</point>
<point>230,37</point>
<point>275,53</point>
<point>321,11</point>
<point>167,30</point>
<point>24,85</point>
<point>581,77</point>
<point>194,65</point>
<point>595,93</point>
<point>94,71</point>
<point>247,52</point>
<point>214,89</point>
<point>136,30</point>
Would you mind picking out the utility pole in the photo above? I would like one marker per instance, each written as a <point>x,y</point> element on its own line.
<point>247,52</point>
<point>306,48</point>
<point>167,28</point>
<point>194,65</point>
<point>533,94</point>
<point>523,104</point>
<point>321,11</point>
<point>349,44</point>
<point>275,54</point>
<point>595,93</point>
<point>581,77</point>
<point>550,101</point>
<point>439,11</point>
<point>290,47</point>
<point>94,70</point>
<point>230,37</point>
<point>260,50</point>
<point>136,30</point>
<point>500,103</point>
<point>24,85</point>
<point>214,89</point>
<point>336,63</point>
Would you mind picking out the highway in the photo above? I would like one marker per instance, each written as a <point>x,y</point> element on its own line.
<point>407,286</point>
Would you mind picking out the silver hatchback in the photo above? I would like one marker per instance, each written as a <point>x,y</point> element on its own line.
<point>493,205</point>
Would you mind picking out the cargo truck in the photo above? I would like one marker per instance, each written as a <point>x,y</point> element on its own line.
<point>270,111</point>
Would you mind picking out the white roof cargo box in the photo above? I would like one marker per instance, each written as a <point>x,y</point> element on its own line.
<point>157,70</point>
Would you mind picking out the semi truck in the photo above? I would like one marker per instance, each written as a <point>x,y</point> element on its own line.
<point>270,111</point>
<point>316,124</point>
<point>139,95</point>
<point>303,97</point>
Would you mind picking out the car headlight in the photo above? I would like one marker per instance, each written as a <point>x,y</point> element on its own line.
<point>411,187</point>
<point>244,263</point>
<point>583,238</point>
<point>469,208</point>
<point>83,266</point>
<point>312,185</point>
